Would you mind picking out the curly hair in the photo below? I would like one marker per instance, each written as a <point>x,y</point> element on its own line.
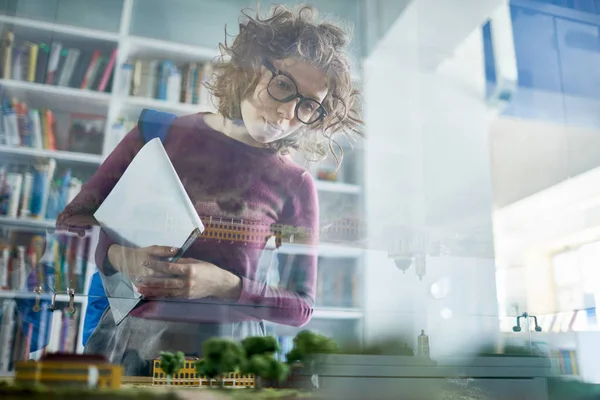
<point>289,33</point>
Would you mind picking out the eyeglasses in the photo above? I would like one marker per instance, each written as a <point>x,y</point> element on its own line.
<point>282,88</point>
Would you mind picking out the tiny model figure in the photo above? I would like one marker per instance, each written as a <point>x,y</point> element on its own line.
<point>69,370</point>
<point>423,344</point>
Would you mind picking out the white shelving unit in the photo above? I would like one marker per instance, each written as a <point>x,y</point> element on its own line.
<point>177,108</point>
<point>29,154</point>
<point>337,313</point>
<point>74,31</point>
<point>36,225</point>
<point>114,105</point>
<point>324,250</point>
<point>338,187</point>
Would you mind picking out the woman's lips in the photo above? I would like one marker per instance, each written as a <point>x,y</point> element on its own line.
<point>274,129</point>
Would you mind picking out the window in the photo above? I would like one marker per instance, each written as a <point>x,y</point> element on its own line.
<point>577,282</point>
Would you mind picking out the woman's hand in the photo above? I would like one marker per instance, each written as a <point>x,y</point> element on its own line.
<point>190,279</point>
<point>135,263</point>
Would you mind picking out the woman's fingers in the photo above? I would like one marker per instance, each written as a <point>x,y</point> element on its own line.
<point>163,288</point>
<point>151,293</point>
<point>165,267</point>
<point>160,251</point>
<point>151,283</point>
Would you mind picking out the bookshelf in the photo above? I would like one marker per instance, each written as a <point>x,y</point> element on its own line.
<point>325,250</point>
<point>338,187</point>
<point>115,104</point>
<point>136,104</point>
<point>73,31</point>
<point>337,313</point>
<point>30,154</point>
<point>48,94</point>
<point>32,224</point>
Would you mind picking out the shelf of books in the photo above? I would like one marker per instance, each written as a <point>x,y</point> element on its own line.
<point>48,270</point>
<point>68,95</point>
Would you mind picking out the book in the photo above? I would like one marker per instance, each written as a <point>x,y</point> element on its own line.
<point>148,206</point>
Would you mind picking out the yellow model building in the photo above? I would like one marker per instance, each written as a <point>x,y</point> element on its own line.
<point>188,376</point>
<point>69,370</point>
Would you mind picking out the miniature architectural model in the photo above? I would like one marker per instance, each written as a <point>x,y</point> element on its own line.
<point>188,376</point>
<point>70,369</point>
<point>423,344</point>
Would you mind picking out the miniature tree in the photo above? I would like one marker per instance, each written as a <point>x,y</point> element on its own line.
<point>204,368</point>
<point>260,359</point>
<point>221,356</point>
<point>306,345</point>
<point>258,345</point>
<point>266,366</point>
<point>171,363</point>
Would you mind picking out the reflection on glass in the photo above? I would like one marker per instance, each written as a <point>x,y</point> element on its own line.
<point>470,207</point>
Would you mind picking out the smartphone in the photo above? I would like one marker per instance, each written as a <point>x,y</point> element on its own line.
<point>191,239</point>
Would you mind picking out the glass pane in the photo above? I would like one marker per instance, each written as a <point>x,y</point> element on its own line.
<point>191,22</point>
<point>155,201</point>
<point>104,16</point>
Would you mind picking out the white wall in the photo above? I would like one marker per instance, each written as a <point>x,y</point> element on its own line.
<point>427,166</point>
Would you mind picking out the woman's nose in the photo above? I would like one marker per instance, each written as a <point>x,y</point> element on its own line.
<point>287,110</point>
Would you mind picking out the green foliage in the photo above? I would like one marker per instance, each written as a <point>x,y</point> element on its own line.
<point>171,363</point>
<point>308,343</point>
<point>278,371</point>
<point>260,359</point>
<point>258,365</point>
<point>258,345</point>
<point>204,368</point>
<point>265,366</point>
<point>221,356</point>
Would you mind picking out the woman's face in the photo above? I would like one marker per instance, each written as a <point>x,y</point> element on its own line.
<point>268,120</point>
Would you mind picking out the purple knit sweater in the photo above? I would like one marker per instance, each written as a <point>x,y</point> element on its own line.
<point>224,179</point>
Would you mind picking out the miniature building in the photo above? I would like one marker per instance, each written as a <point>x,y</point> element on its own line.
<point>71,370</point>
<point>232,230</point>
<point>188,376</point>
<point>423,344</point>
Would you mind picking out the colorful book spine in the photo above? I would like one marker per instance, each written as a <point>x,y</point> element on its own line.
<point>53,62</point>
<point>15,184</point>
<point>91,70</point>
<point>26,196</point>
<point>4,267</point>
<point>6,333</point>
<point>107,71</point>
<point>7,49</point>
<point>33,59</point>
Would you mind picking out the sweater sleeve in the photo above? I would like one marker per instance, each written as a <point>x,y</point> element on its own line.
<point>293,303</point>
<point>79,213</point>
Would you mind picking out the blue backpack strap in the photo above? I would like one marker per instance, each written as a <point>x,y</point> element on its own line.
<point>97,304</point>
<point>155,124</point>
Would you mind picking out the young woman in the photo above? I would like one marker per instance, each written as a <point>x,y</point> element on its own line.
<point>284,84</point>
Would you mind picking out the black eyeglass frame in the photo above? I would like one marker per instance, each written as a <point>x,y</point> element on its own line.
<point>298,95</point>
